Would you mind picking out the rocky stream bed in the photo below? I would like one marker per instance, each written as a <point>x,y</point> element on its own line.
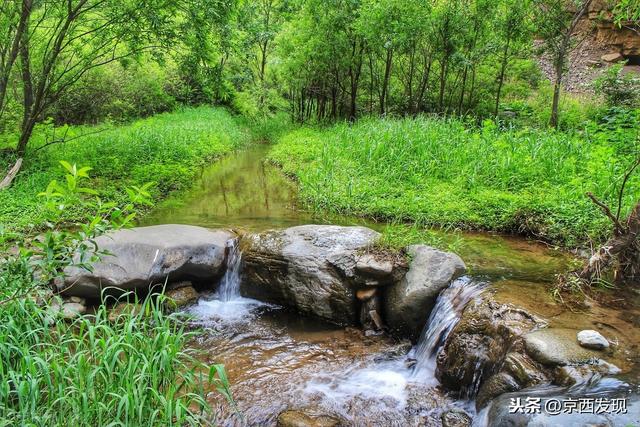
<point>317,326</point>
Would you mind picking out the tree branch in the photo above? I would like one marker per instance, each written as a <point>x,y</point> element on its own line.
<point>619,229</point>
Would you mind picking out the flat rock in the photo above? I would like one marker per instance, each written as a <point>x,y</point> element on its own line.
<point>142,257</point>
<point>556,347</point>
<point>376,266</point>
<point>311,268</point>
<point>409,301</point>
<point>592,339</point>
<point>612,57</point>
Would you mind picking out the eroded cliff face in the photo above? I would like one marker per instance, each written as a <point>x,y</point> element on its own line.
<point>623,39</point>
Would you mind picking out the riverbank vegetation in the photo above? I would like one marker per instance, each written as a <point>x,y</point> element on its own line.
<point>60,367</point>
<point>167,150</point>
<point>447,173</point>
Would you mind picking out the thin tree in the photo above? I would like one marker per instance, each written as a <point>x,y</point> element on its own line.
<point>557,23</point>
<point>512,29</point>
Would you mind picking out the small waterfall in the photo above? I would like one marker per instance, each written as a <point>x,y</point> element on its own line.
<point>229,289</point>
<point>444,316</point>
<point>226,304</point>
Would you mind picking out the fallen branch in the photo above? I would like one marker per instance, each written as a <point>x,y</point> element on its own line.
<point>64,139</point>
<point>6,182</point>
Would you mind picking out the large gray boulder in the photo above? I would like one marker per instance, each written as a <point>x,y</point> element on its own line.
<point>409,301</point>
<point>313,268</point>
<point>142,257</point>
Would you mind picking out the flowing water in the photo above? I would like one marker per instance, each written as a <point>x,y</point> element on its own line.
<point>226,305</point>
<point>443,318</point>
<point>278,360</point>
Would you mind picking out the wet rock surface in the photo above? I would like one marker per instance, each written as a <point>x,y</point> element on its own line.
<point>496,349</point>
<point>409,301</point>
<point>501,412</point>
<point>308,418</point>
<point>181,297</point>
<point>311,268</point>
<point>142,257</point>
<point>455,418</point>
<point>556,347</point>
<point>479,344</point>
<point>592,339</point>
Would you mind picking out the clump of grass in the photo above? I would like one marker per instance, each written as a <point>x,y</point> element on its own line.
<point>133,371</point>
<point>167,149</point>
<point>443,172</point>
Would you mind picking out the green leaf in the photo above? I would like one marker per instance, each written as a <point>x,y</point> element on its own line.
<point>68,167</point>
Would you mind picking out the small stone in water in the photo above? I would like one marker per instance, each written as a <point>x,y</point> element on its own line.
<point>306,418</point>
<point>455,418</point>
<point>592,339</point>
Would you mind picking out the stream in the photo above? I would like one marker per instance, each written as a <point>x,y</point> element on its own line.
<point>278,360</point>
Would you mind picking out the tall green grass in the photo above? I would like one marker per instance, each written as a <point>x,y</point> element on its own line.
<point>168,149</point>
<point>443,172</point>
<point>134,371</point>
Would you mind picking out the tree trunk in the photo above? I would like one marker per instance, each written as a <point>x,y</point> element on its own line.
<point>503,69</point>
<point>385,81</point>
<point>443,81</point>
<point>412,68</point>
<point>553,121</point>
<point>5,68</point>
<point>424,82</point>
<point>354,75</point>
<point>462,89</point>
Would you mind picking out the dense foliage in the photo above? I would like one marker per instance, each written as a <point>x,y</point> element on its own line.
<point>434,112</point>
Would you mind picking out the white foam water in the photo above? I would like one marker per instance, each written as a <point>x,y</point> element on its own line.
<point>388,384</point>
<point>444,316</point>
<point>383,380</point>
<point>226,304</point>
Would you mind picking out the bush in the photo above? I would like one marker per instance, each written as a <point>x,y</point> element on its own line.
<point>619,89</point>
<point>94,372</point>
<point>117,92</point>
